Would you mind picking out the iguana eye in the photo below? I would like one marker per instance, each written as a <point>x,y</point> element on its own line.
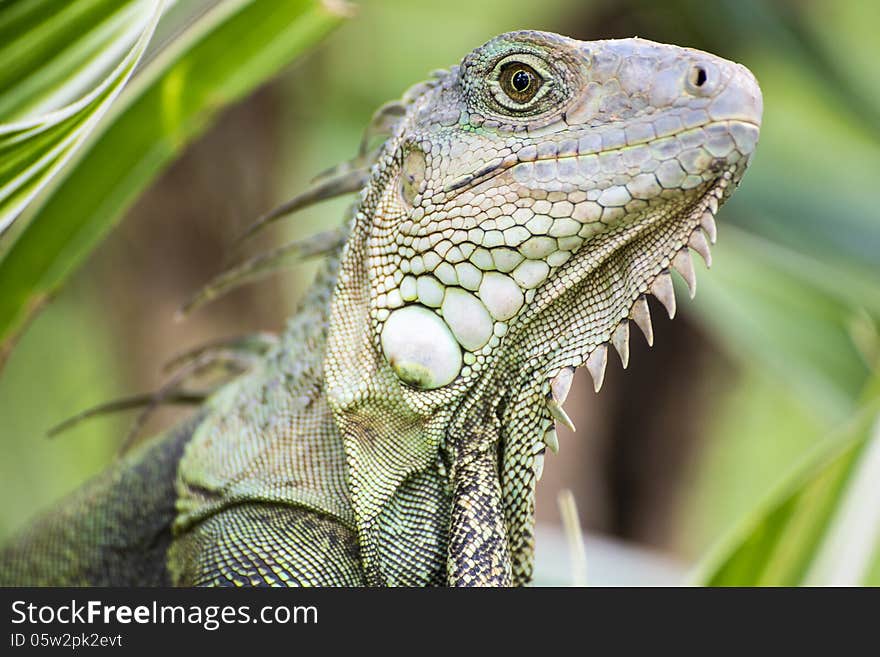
<point>519,81</point>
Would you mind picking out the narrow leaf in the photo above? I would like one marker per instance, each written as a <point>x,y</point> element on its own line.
<point>224,54</point>
<point>821,528</point>
<point>35,149</point>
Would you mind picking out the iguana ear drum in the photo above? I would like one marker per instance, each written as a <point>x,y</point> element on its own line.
<point>412,175</point>
<point>420,348</point>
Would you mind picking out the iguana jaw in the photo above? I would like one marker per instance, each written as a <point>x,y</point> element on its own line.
<point>537,386</point>
<point>692,228</point>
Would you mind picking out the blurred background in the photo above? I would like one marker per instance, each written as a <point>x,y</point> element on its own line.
<point>771,358</point>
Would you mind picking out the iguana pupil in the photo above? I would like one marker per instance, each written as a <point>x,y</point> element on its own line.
<point>521,80</point>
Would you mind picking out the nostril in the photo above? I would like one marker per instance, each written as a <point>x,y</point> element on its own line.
<point>698,76</point>
<point>700,79</point>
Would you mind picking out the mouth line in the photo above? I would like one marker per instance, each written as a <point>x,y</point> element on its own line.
<point>494,169</point>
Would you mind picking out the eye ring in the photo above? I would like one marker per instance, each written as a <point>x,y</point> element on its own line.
<point>519,81</point>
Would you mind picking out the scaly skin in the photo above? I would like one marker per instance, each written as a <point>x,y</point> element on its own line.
<point>520,208</point>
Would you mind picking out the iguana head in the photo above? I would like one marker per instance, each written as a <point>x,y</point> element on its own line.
<point>522,207</point>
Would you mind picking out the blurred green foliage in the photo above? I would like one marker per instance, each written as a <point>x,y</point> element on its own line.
<point>62,363</point>
<point>215,58</point>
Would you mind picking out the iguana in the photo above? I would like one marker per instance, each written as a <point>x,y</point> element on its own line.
<point>515,214</point>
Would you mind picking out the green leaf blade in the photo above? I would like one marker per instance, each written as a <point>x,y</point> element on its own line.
<point>50,140</point>
<point>225,54</point>
<point>795,538</point>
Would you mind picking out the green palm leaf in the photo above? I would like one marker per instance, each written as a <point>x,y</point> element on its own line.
<point>218,56</point>
<point>34,147</point>
<point>822,527</point>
